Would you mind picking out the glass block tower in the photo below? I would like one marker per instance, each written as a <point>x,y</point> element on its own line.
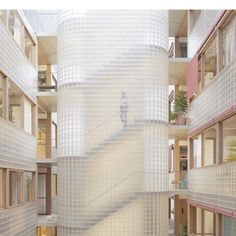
<point>112,123</point>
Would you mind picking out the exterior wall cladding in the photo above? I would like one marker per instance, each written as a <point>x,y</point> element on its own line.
<point>219,190</point>
<point>17,148</point>
<point>112,123</point>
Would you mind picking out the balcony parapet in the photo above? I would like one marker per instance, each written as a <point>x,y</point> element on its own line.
<point>214,185</point>
<point>216,98</point>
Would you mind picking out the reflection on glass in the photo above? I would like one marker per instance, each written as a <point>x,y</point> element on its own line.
<point>14,188</point>
<point>229,139</point>
<point>28,186</point>
<point>197,155</point>
<point>1,95</point>
<point>209,146</point>
<point>210,62</point>
<point>15,112</point>
<point>2,190</point>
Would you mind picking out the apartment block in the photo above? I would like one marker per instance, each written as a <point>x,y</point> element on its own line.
<point>117,122</point>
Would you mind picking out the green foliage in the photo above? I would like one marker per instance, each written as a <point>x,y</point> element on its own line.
<point>172,116</point>
<point>181,104</point>
<point>184,230</point>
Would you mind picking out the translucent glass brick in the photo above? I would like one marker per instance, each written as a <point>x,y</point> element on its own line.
<point>217,97</point>
<point>17,148</point>
<point>18,221</point>
<point>214,185</point>
<point>112,170</point>
<point>15,65</point>
<point>204,24</point>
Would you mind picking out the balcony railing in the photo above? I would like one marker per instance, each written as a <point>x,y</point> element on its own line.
<point>41,149</point>
<point>217,97</point>
<point>181,183</point>
<point>178,48</point>
<point>43,85</point>
<point>214,185</point>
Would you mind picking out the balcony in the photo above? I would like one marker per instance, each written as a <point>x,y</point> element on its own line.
<point>178,182</point>
<point>217,97</point>
<point>47,88</point>
<point>214,185</point>
<point>178,114</point>
<point>42,151</point>
<point>178,61</point>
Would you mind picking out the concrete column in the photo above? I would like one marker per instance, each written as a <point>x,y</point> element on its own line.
<point>219,143</point>
<point>218,224</point>
<point>192,219</point>
<point>177,215</point>
<point>48,136</point>
<point>49,75</point>
<point>48,191</point>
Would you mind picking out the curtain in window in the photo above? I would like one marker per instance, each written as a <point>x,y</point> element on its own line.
<point>15,197</point>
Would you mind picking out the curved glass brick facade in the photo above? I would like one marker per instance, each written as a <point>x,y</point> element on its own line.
<point>112,123</point>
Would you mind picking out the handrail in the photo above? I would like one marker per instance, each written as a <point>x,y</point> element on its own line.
<point>115,185</point>
<point>105,120</point>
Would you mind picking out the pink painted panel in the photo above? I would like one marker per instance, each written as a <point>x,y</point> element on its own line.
<point>192,77</point>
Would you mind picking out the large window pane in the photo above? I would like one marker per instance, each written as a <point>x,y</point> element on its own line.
<point>209,222</point>
<point>2,188</point>
<point>210,62</point>
<point>41,152</point>
<point>15,188</point>
<point>29,47</point>
<point>209,146</point>
<point>54,185</point>
<point>28,116</point>
<point>229,42</point>
<point>197,149</point>
<point>15,111</point>
<point>15,27</point>
<point>28,186</point>
<point>1,95</point>
<point>229,139</point>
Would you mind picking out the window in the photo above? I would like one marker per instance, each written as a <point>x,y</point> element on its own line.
<point>41,151</point>
<point>28,187</point>
<point>2,188</point>
<point>210,146</point>
<point>16,28</point>
<point>54,185</point>
<point>28,111</point>
<point>210,62</point>
<point>197,151</point>
<point>229,43</point>
<point>15,188</point>
<point>229,139</point>
<point>29,47</point>
<point>15,109</point>
<point>1,95</point>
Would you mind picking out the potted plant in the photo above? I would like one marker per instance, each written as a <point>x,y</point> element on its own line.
<point>181,106</point>
<point>172,117</point>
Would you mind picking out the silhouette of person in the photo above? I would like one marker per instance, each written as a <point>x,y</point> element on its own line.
<point>124,108</point>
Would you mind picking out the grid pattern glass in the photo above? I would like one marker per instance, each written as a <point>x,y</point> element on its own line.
<point>203,26</point>
<point>112,122</point>
<point>217,97</point>
<point>15,64</point>
<point>214,185</point>
<point>19,220</point>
